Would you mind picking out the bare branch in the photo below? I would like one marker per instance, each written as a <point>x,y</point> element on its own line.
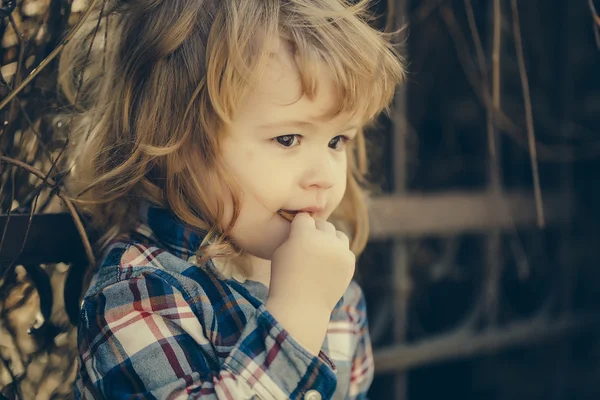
<point>528,113</point>
<point>13,189</point>
<point>496,66</point>
<point>596,19</point>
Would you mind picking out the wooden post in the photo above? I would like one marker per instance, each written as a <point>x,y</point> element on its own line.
<point>493,244</point>
<point>400,263</point>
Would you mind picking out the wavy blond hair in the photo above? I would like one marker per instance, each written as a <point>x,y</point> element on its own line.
<point>154,81</point>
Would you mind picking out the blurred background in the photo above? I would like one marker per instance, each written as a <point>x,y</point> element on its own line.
<point>481,275</point>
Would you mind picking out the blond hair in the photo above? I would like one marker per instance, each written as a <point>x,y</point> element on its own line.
<point>155,81</point>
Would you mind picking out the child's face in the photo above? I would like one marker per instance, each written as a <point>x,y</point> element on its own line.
<point>305,167</point>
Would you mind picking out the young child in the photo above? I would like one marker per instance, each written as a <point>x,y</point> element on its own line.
<point>218,145</point>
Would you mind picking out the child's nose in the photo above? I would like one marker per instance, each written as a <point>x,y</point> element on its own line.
<point>319,174</point>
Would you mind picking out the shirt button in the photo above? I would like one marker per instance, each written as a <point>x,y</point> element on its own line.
<point>312,395</point>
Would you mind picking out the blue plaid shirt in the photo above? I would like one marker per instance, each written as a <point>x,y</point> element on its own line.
<point>156,326</point>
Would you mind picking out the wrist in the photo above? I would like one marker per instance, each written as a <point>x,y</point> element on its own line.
<point>306,324</point>
<point>299,304</point>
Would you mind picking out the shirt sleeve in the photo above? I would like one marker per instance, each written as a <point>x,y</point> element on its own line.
<point>140,338</point>
<point>363,368</point>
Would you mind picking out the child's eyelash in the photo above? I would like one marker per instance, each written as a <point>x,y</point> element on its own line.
<point>295,139</point>
<point>281,138</point>
<point>343,139</point>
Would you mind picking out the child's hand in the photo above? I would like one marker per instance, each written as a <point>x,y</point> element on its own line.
<point>309,274</point>
<point>315,264</point>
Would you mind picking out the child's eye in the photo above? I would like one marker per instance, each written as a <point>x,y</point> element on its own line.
<point>339,142</point>
<point>288,140</point>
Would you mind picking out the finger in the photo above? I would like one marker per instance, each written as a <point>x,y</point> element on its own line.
<point>301,222</point>
<point>325,226</point>
<point>343,237</point>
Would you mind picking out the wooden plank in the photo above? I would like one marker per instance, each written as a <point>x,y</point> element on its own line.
<point>466,343</point>
<point>51,238</point>
<point>452,212</point>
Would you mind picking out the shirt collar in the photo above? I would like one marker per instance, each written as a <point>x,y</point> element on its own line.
<point>164,228</point>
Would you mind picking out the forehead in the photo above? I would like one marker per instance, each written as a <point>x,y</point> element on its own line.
<point>278,93</point>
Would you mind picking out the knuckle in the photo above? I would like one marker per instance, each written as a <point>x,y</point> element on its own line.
<point>342,235</point>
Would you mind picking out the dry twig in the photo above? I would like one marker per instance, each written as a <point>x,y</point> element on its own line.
<point>596,19</point>
<point>528,113</point>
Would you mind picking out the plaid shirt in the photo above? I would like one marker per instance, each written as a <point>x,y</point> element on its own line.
<point>156,326</point>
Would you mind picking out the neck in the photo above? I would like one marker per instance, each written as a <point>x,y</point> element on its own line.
<point>260,269</point>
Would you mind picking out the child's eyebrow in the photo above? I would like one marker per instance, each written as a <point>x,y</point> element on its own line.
<point>300,124</point>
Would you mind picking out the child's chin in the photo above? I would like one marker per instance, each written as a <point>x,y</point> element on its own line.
<point>273,238</point>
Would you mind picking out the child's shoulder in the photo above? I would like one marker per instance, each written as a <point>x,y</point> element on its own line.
<point>130,255</point>
<point>126,260</point>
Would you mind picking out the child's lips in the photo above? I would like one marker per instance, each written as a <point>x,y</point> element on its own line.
<point>290,214</point>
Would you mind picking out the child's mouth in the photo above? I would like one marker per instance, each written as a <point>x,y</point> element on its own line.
<point>287,214</point>
<point>291,214</point>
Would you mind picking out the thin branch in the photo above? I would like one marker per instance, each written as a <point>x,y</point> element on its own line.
<point>13,189</point>
<point>596,19</point>
<point>35,131</point>
<point>29,121</point>
<point>12,264</point>
<point>477,41</point>
<point>391,16</point>
<point>484,74</point>
<point>76,219</point>
<point>595,15</point>
<point>22,43</point>
<point>528,113</point>
<point>496,62</point>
